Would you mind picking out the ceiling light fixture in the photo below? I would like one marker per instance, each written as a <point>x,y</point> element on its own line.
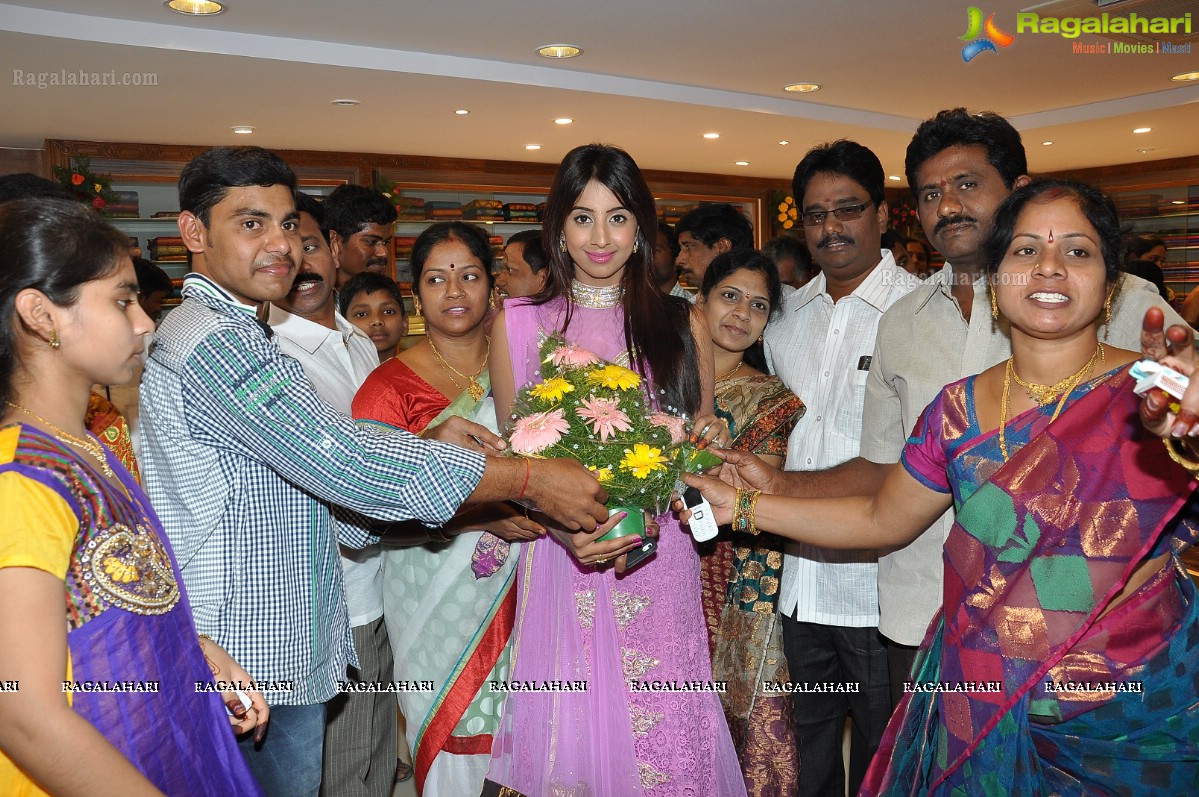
<point>740,163</point>
<point>711,135</point>
<point>1186,76</point>
<point>559,51</point>
<point>532,146</point>
<point>1145,150</point>
<point>802,88</point>
<point>195,8</point>
<point>242,130</point>
<point>894,177</point>
<point>1141,129</point>
<point>1046,143</point>
<point>1177,201</point>
<point>784,143</point>
<point>564,120</point>
<point>462,112</point>
<point>347,103</point>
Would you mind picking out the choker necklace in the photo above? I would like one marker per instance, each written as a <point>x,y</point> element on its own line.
<point>596,297</point>
<point>736,368</point>
<point>473,387</point>
<point>1041,393</point>
<point>91,447</point>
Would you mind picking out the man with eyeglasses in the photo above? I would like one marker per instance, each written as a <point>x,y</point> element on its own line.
<point>360,222</point>
<point>821,346</point>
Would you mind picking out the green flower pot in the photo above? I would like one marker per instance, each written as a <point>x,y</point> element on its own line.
<point>632,526</point>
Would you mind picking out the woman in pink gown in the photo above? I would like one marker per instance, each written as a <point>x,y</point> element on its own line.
<point>647,721</point>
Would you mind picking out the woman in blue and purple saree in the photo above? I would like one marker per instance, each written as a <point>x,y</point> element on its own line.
<point>1065,660</point>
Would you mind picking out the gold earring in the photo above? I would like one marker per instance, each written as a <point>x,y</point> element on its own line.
<point>416,307</point>
<point>994,303</point>
<point>636,243</point>
<point>562,242</point>
<point>1107,307</point>
<point>760,337</point>
<point>54,340</point>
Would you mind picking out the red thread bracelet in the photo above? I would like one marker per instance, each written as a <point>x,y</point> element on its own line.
<point>525,486</point>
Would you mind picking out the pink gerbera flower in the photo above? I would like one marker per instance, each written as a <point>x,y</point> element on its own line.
<point>605,416</point>
<point>568,356</point>
<point>538,432</point>
<point>678,431</point>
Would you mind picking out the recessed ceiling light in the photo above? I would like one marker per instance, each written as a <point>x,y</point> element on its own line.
<point>347,103</point>
<point>532,146</point>
<point>711,135</point>
<point>1177,201</point>
<point>1144,150</point>
<point>195,8</point>
<point>894,177</point>
<point>563,120</point>
<point>1046,143</point>
<point>1185,76</point>
<point>741,163</point>
<point>784,143</point>
<point>1141,129</point>
<point>243,130</point>
<point>802,88</point>
<point>462,112</point>
<point>559,51</point>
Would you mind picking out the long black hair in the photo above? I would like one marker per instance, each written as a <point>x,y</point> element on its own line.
<point>53,246</point>
<point>657,326</point>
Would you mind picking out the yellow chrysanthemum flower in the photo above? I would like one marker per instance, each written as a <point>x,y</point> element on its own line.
<point>602,475</point>
<point>98,188</point>
<point>614,377</point>
<point>643,460</point>
<point>552,389</point>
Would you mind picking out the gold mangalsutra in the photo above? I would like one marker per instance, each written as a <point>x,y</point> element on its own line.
<point>736,368</point>
<point>91,447</point>
<point>1043,394</point>
<point>473,387</point>
<point>1067,386</point>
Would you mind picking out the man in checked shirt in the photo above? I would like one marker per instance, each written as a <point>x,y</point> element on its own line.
<point>257,479</point>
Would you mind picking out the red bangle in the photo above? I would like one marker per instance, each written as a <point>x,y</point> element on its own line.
<point>525,486</point>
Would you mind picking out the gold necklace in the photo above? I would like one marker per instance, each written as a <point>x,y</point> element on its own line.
<point>473,387</point>
<point>91,447</point>
<point>1043,394</point>
<point>736,368</point>
<point>1067,386</point>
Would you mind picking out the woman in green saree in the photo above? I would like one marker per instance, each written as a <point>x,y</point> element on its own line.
<point>449,605</point>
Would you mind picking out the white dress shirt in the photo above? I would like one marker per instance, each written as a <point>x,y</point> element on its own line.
<point>337,362</point>
<point>822,351</point>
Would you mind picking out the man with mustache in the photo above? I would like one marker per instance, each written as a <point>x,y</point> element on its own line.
<point>360,223</point>
<point>960,166</point>
<point>360,728</point>
<point>820,346</point>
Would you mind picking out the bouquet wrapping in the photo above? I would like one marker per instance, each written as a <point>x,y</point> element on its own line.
<point>600,414</point>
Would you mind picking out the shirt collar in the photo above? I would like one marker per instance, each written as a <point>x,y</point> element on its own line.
<point>942,283</point>
<point>874,290</point>
<point>206,291</point>
<point>307,334</point>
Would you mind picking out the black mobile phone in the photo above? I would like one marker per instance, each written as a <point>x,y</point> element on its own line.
<point>638,555</point>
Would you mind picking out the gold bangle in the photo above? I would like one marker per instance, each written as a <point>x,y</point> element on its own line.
<point>1182,459</point>
<point>206,636</point>
<point>745,511</point>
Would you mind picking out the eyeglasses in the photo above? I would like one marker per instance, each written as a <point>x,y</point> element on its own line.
<point>814,218</point>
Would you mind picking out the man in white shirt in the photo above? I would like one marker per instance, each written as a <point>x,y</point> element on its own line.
<point>360,728</point>
<point>820,346</point>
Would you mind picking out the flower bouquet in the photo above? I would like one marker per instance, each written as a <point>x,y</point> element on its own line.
<point>598,413</point>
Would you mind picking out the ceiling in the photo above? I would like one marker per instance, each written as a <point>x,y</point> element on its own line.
<point>655,75</point>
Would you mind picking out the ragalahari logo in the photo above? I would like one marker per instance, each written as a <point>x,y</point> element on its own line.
<point>982,37</point>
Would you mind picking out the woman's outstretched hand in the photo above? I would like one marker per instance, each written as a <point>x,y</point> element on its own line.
<point>589,549</point>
